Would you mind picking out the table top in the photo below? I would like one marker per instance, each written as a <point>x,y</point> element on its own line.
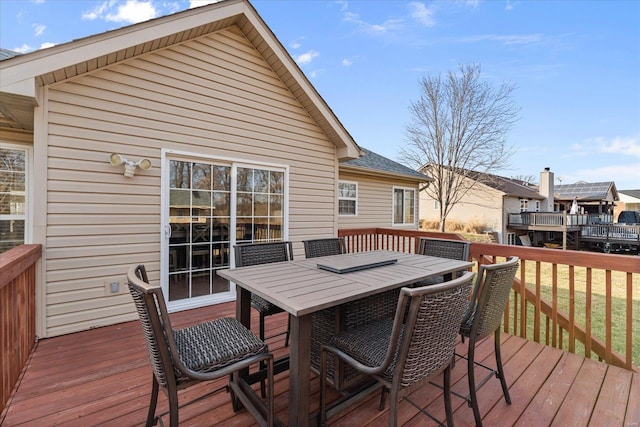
<point>300,287</point>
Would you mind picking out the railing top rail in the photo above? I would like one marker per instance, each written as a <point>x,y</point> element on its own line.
<point>16,260</point>
<point>624,263</point>
<point>399,232</point>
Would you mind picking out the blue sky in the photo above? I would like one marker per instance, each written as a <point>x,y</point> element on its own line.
<point>575,65</point>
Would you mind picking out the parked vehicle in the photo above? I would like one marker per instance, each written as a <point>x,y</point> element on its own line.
<point>629,217</point>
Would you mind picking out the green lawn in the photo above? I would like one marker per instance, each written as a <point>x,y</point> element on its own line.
<point>598,305</point>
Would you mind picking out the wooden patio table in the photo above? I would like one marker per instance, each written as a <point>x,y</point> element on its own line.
<point>301,288</point>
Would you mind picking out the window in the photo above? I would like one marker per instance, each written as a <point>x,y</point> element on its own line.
<point>13,191</point>
<point>404,206</point>
<point>436,205</point>
<point>537,205</point>
<point>347,198</point>
<point>524,205</point>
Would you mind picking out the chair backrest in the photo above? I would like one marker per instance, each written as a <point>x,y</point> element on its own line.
<point>262,253</point>
<point>156,326</point>
<point>433,316</point>
<point>324,247</point>
<point>444,248</point>
<point>490,295</point>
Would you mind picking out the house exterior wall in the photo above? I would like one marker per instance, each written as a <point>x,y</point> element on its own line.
<point>375,202</point>
<point>213,96</point>
<point>482,205</point>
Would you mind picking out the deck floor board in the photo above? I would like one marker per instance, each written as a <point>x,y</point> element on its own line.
<point>102,377</point>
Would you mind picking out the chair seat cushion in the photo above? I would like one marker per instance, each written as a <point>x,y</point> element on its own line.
<point>263,306</point>
<point>213,345</point>
<point>368,343</point>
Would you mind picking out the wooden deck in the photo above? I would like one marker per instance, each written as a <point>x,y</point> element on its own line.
<point>102,377</point>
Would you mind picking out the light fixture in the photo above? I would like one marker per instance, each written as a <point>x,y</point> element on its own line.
<point>129,166</point>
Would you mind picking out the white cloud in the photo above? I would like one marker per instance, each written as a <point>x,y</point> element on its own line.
<point>22,49</point>
<point>627,146</point>
<point>129,11</point>
<point>133,11</point>
<point>198,3</point>
<point>295,45</point>
<point>388,25</point>
<point>39,29</point>
<point>624,174</point>
<point>98,11</point>
<point>515,39</point>
<point>306,57</point>
<point>47,44</point>
<point>422,14</point>
<point>347,62</point>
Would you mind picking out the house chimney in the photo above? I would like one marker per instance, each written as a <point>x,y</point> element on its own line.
<point>546,190</point>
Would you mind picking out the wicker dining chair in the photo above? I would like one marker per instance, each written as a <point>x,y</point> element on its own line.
<point>324,247</point>
<point>206,351</point>
<point>404,352</point>
<point>263,253</point>
<point>443,248</point>
<point>482,319</point>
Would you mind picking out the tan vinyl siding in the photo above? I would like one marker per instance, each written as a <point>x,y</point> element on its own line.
<point>375,202</point>
<point>482,205</point>
<point>213,96</point>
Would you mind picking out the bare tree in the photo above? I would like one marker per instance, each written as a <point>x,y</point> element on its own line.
<point>526,179</point>
<point>458,127</point>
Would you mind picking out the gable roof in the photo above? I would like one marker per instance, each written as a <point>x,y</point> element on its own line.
<point>630,193</point>
<point>371,162</point>
<point>509,186</point>
<point>19,75</point>
<point>6,54</point>
<point>586,191</point>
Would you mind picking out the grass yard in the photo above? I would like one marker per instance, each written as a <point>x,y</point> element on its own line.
<point>598,305</point>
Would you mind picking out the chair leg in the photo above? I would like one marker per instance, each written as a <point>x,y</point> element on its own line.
<point>154,400</point>
<point>503,381</point>
<point>447,396</point>
<point>473,399</point>
<point>263,392</point>
<point>383,394</point>
<point>322,416</point>
<point>270,406</point>
<point>286,336</point>
<point>172,393</point>
<point>393,406</point>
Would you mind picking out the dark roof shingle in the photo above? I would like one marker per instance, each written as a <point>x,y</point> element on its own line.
<point>375,162</point>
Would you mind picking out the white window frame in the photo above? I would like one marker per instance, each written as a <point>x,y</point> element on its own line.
<point>354,199</point>
<point>28,187</point>
<point>537,205</point>
<point>166,156</point>
<point>393,206</point>
<point>524,205</point>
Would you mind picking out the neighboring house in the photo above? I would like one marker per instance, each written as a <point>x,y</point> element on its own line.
<point>494,197</point>
<point>592,197</point>
<point>629,201</point>
<point>488,203</point>
<point>227,141</point>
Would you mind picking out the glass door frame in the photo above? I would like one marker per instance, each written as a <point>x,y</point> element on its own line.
<point>165,229</point>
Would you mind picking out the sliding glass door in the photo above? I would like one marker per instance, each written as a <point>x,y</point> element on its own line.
<point>213,205</point>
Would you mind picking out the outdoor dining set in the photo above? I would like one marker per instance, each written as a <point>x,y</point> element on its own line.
<point>363,322</point>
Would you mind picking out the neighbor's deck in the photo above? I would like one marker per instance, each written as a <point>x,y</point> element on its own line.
<point>102,377</point>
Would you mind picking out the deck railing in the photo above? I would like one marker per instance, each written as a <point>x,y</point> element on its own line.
<point>582,302</point>
<point>17,313</point>
<point>548,219</point>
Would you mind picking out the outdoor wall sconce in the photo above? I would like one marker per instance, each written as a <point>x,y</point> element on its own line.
<point>129,166</point>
